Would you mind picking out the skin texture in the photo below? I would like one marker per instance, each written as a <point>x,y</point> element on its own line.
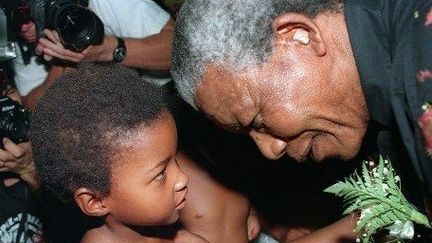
<point>148,189</point>
<point>306,100</point>
<point>214,211</point>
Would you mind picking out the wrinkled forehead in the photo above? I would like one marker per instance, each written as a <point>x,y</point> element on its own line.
<point>223,94</point>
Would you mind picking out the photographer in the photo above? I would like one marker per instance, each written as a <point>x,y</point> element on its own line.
<point>20,214</point>
<point>15,157</point>
<point>28,70</point>
<point>138,34</point>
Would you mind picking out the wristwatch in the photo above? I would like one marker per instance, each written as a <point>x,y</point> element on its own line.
<point>119,53</point>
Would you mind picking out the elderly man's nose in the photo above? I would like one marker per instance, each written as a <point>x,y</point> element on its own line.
<point>270,146</point>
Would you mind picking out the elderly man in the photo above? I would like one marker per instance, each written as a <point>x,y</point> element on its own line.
<point>310,78</point>
<point>314,79</point>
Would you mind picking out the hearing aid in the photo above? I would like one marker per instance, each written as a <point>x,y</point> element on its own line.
<point>301,36</point>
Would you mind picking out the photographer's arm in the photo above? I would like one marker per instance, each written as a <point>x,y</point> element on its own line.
<point>152,52</point>
<point>31,98</point>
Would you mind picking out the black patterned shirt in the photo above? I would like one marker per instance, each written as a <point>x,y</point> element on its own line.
<point>392,45</point>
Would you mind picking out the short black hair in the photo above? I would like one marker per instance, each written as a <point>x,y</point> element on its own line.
<point>81,117</point>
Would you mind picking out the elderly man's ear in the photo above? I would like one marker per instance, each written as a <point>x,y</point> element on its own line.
<point>293,27</point>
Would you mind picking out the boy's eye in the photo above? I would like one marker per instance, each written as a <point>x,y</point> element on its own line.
<point>161,176</point>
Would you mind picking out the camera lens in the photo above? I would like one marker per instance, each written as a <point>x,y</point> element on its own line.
<point>74,27</point>
<point>18,131</point>
<point>77,26</point>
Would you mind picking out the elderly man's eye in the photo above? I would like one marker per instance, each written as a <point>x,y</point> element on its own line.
<point>260,129</point>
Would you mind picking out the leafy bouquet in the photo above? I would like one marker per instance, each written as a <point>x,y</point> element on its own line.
<point>377,195</point>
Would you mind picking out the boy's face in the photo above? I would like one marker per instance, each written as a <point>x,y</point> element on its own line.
<point>147,186</point>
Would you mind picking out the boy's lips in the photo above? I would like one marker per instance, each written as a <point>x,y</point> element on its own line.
<point>182,202</point>
<point>181,205</point>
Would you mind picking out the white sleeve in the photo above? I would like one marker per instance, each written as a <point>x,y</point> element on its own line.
<point>130,18</point>
<point>28,76</point>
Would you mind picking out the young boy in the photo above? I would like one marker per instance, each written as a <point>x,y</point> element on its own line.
<point>214,210</point>
<point>103,139</point>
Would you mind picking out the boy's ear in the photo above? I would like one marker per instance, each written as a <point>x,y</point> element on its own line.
<point>294,27</point>
<point>90,202</point>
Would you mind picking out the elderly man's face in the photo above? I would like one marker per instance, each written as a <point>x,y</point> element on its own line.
<point>294,106</point>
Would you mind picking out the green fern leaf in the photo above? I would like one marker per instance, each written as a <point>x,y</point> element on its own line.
<point>377,195</point>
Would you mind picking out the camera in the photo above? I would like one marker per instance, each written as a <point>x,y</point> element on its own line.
<point>14,120</point>
<point>77,26</point>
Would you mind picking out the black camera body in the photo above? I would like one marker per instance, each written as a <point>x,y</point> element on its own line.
<point>77,26</point>
<point>14,120</point>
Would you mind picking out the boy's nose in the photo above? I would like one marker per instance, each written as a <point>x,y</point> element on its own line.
<point>182,181</point>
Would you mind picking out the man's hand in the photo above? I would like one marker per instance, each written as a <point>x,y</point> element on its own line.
<point>28,32</point>
<point>51,46</point>
<point>18,158</point>
<point>253,224</point>
<point>15,157</point>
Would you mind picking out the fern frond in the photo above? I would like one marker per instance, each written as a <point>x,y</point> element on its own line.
<point>377,195</point>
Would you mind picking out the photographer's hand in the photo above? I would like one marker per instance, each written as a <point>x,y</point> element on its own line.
<point>18,158</point>
<point>51,46</point>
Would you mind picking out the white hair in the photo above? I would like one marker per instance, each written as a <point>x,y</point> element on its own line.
<point>233,34</point>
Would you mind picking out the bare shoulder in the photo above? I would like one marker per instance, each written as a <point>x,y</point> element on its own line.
<point>97,235</point>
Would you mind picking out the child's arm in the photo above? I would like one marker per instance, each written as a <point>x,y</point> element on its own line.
<point>184,236</point>
<point>340,231</point>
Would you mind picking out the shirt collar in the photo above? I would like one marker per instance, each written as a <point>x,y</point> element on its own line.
<point>370,45</point>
